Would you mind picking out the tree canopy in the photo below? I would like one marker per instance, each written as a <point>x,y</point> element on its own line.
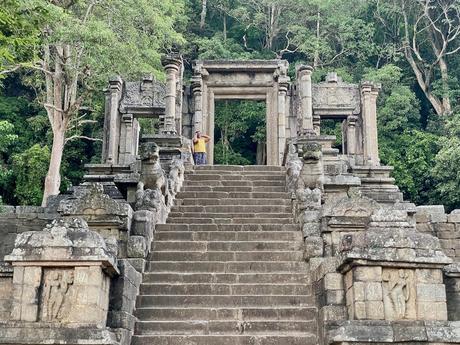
<point>56,56</point>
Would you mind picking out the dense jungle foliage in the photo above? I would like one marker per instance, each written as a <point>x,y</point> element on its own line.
<point>56,57</point>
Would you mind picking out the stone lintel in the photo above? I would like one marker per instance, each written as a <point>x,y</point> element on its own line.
<point>240,65</point>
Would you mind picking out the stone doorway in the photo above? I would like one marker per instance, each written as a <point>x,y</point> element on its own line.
<point>240,132</point>
<point>259,80</point>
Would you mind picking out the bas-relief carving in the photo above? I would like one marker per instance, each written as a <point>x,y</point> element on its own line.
<point>57,294</point>
<point>399,296</point>
<point>146,93</point>
<point>341,95</point>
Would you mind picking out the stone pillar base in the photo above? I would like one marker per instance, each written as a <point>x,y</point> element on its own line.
<point>395,332</point>
<point>16,333</point>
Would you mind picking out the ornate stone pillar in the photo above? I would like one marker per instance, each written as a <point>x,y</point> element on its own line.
<point>198,104</point>
<point>306,100</point>
<point>351,135</point>
<point>127,137</point>
<point>369,93</point>
<point>172,65</point>
<point>282,116</point>
<point>112,124</point>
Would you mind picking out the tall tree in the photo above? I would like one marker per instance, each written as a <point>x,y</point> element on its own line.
<point>428,33</point>
<point>82,43</point>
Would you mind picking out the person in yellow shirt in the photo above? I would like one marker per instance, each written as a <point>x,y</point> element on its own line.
<point>199,147</point>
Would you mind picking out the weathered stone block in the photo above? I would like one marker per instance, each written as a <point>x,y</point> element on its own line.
<point>333,313</point>
<point>430,292</point>
<point>359,291</point>
<point>431,276</point>
<point>373,291</point>
<point>432,311</point>
<point>365,273</point>
<point>311,229</point>
<point>409,331</point>
<point>333,281</point>
<point>335,297</point>
<point>359,311</point>
<point>374,310</point>
<point>454,216</point>
<point>137,247</point>
<point>314,247</point>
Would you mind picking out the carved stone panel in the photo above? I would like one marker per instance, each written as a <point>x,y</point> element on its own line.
<point>57,294</point>
<point>147,93</point>
<point>399,294</point>
<point>336,95</point>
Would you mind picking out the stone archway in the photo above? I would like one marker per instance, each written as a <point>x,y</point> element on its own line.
<point>246,80</point>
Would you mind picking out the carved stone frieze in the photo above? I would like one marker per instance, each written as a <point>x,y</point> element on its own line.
<point>334,94</point>
<point>147,93</point>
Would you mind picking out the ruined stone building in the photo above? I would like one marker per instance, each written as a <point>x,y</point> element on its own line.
<point>316,247</point>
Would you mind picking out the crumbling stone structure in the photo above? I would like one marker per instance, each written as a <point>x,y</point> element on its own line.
<point>317,247</point>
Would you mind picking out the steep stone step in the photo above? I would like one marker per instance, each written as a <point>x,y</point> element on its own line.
<point>227,267</point>
<point>236,183</point>
<point>255,220</point>
<point>226,327</point>
<point>294,339</point>
<point>239,168</point>
<point>203,246</point>
<point>233,209</point>
<point>209,236</point>
<point>232,202</point>
<point>215,301</point>
<point>227,256</point>
<point>276,226</point>
<point>227,177</point>
<point>232,195</point>
<point>221,215</point>
<point>246,189</point>
<point>286,313</point>
<point>234,173</point>
<point>223,289</point>
<point>227,278</point>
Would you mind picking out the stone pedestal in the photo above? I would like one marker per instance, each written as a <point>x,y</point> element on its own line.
<point>61,283</point>
<point>61,274</point>
<point>452,281</point>
<point>394,274</point>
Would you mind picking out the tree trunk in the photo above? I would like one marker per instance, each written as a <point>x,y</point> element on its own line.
<point>225,26</point>
<point>316,56</point>
<point>445,85</point>
<point>203,13</point>
<point>261,153</point>
<point>53,177</point>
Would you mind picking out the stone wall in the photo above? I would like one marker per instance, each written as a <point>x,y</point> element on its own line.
<point>435,221</point>
<point>19,219</point>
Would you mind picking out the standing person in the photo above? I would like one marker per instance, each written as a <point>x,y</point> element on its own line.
<point>199,147</point>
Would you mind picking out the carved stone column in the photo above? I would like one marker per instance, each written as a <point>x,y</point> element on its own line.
<point>112,123</point>
<point>369,93</point>
<point>127,137</point>
<point>172,65</point>
<point>306,100</point>
<point>351,135</point>
<point>198,104</point>
<point>282,116</point>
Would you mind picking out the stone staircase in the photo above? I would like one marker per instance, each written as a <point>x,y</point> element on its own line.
<point>227,267</point>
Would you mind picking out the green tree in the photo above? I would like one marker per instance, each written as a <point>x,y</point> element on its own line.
<point>81,44</point>
<point>29,168</point>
